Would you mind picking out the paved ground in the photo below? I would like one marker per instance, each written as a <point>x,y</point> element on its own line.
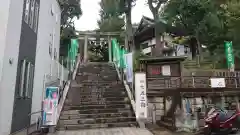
<point>110,131</point>
<point>156,130</point>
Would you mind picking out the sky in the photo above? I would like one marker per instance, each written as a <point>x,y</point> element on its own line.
<point>90,8</point>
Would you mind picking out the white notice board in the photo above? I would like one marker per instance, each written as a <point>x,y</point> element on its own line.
<point>218,82</point>
<point>166,70</point>
<point>141,95</point>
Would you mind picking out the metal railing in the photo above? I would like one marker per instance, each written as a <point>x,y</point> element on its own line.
<point>39,122</point>
<point>189,82</point>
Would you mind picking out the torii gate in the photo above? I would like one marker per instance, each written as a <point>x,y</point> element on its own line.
<point>86,35</point>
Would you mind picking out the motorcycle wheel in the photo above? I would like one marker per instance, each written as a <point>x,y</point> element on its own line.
<point>220,131</point>
<point>207,131</point>
<point>236,126</point>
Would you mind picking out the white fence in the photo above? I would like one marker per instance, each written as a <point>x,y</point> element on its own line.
<point>58,75</point>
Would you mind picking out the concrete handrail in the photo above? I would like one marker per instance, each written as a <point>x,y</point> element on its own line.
<point>130,96</point>
<point>66,88</point>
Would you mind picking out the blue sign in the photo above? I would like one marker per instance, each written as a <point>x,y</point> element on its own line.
<point>50,106</point>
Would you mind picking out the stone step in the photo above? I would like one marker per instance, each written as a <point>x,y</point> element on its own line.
<point>87,66</point>
<point>101,82</point>
<point>98,65</point>
<point>97,88</point>
<point>167,119</point>
<point>166,125</point>
<point>97,85</point>
<point>97,77</point>
<point>100,72</point>
<point>84,107</point>
<point>78,95</point>
<point>90,71</point>
<point>101,125</point>
<point>96,120</point>
<point>97,103</point>
<point>96,115</point>
<point>79,80</point>
<point>96,100</point>
<point>100,95</point>
<point>96,111</point>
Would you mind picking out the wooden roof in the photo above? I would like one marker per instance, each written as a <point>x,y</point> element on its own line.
<point>145,30</point>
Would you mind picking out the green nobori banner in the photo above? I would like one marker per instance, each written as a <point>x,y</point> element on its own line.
<point>229,55</point>
<point>118,54</point>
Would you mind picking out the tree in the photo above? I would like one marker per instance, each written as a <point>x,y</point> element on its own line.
<point>110,21</point>
<point>154,6</point>
<point>70,9</point>
<point>125,6</point>
<point>198,17</point>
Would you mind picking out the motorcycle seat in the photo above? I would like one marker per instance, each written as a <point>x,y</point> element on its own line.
<point>224,116</point>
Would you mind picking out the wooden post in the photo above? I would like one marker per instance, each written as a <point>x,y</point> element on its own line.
<point>237,101</point>
<point>223,101</point>
<point>85,48</point>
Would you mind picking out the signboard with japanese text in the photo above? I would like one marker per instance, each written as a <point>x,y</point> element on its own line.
<point>218,82</point>
<point>229,56</point>
<point>154,70</point>
<point>50,106</point>
<point>140,94</point>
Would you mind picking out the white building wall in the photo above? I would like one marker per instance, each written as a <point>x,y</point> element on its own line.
<point>180,49</point>
<point>10,30</point>
<point>4,12</point>
<point>49,25</point>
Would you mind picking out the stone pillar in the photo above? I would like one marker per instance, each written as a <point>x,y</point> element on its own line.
<point>85,53</point>
<point>223,101</point>
<point>109,49</point>
<point>126,43</point>
<point>237,101</point>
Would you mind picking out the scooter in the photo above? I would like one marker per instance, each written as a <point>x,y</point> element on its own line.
<point>223,122</point>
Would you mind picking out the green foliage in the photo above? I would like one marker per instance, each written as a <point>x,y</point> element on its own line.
<point>199,18</point>
<point>195,16</point>
<point>70,10</point>
<point>125,5</point>
<point>111,24</point>
<point>98,52</point>
<point>211,21</point>
<point>232,15</point>
<point>110,21</point>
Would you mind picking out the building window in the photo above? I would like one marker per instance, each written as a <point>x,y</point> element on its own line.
<point>52,11</point>
<point>31,13</point>
<point>26,79</point>
<point>26,12</point>
<point>55,53</point>
<point>22,78</point>
<point>50,49</point>
<point>36,16</point>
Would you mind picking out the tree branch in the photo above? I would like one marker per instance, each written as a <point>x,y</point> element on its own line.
<point>150,4</point>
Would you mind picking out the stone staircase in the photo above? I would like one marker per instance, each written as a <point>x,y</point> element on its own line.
<point>193,64</point>
<point>167,122</point>
<point>96,99</point>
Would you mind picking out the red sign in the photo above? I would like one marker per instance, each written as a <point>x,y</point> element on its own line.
<point>154,70</point>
